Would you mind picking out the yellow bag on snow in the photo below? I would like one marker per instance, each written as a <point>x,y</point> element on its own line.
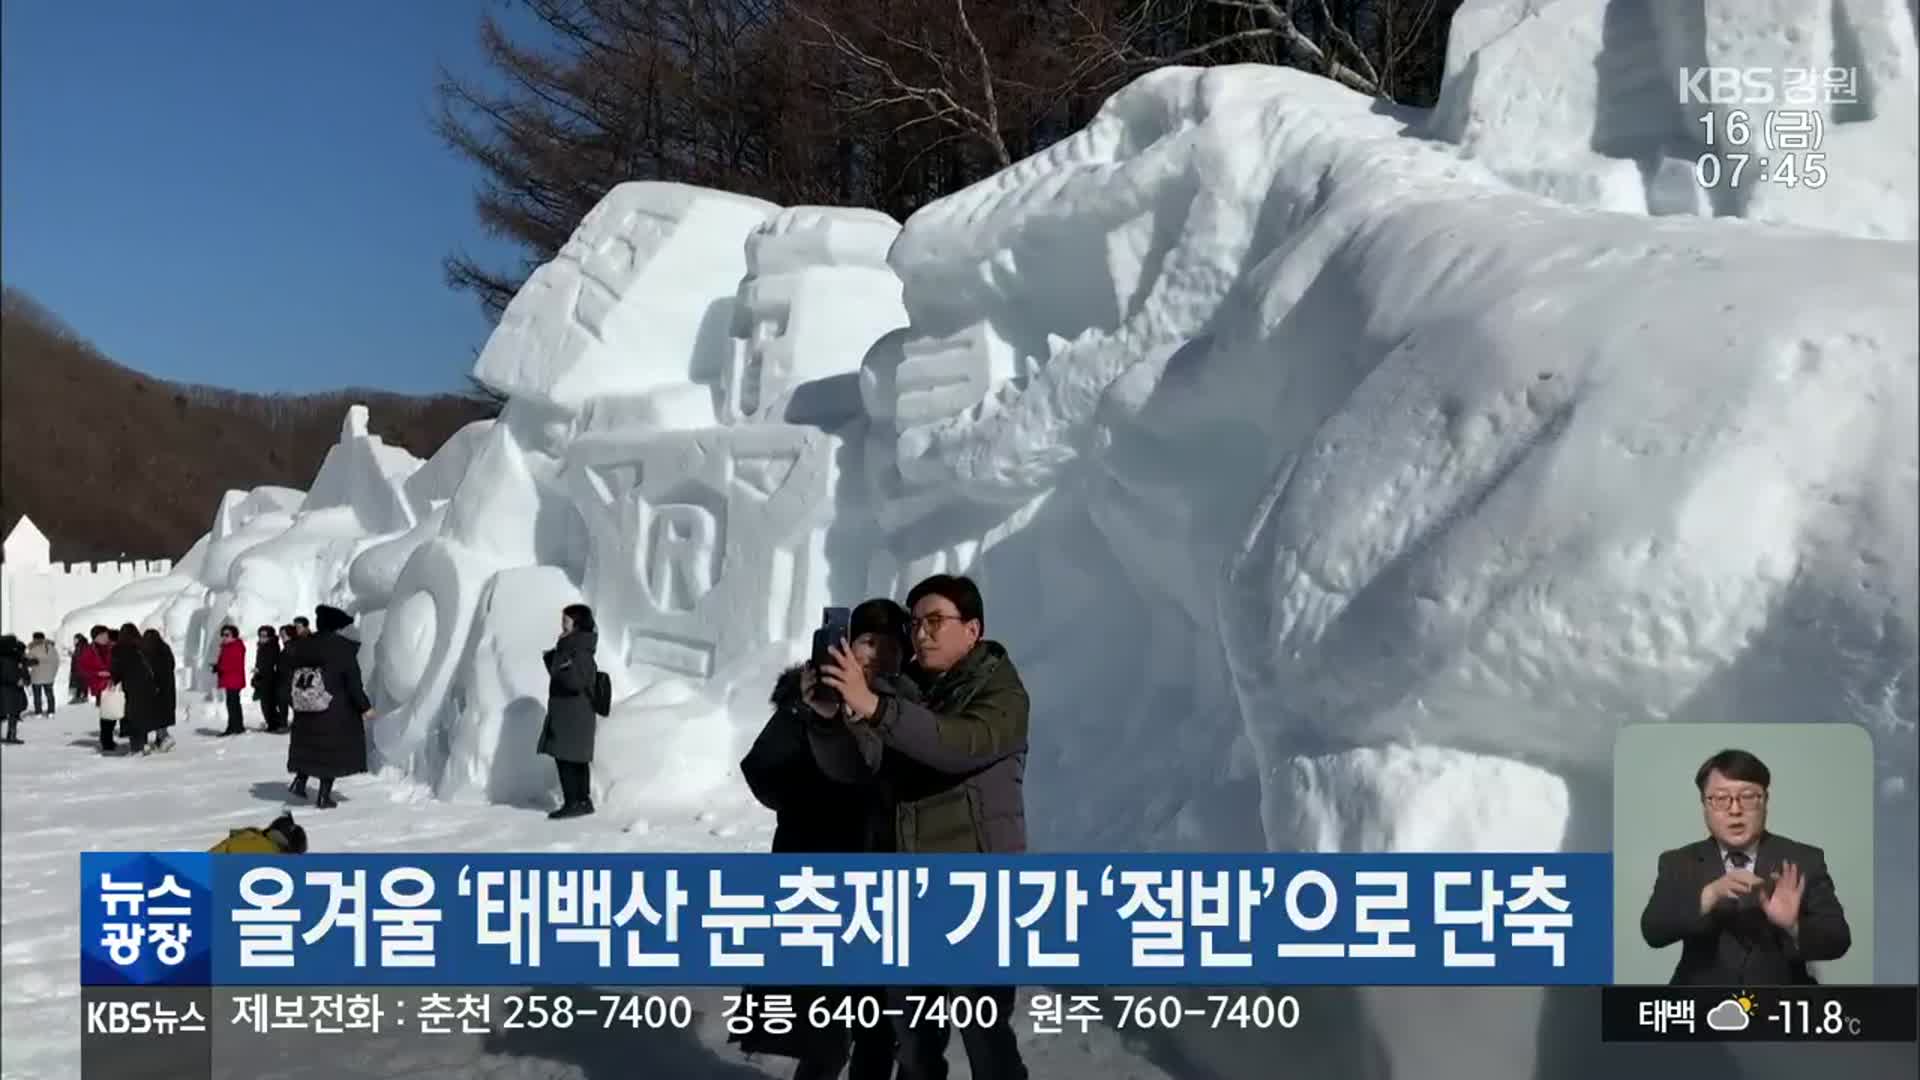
<point>247,842</point>
<point>282,837</point>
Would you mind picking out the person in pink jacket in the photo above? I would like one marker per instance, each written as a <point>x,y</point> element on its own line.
<point>232,669</point>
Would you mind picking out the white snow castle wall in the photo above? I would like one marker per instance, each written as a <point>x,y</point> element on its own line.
<point>36,592</point>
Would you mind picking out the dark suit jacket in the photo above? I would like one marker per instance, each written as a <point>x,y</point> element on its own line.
<point>1734,944</point>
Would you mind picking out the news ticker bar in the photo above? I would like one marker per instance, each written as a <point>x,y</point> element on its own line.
<point>181,1033</point>
<point>1837,1014</point>
<point>177,1033</point>
<point>653,919</point>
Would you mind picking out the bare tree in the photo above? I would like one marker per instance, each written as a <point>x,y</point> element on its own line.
<point>1413,47</point>
<point>949,83</point>
<point>1386,48</point>
<point>488,398</point>
<point>616,90</point>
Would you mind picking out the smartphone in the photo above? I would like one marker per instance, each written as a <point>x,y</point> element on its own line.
<point>835,624</point>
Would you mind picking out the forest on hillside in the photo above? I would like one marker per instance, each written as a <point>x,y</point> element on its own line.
<point>110,462</point>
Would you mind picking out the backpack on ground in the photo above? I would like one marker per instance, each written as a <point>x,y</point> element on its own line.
<point>602,694</point>
<point>309,690</point>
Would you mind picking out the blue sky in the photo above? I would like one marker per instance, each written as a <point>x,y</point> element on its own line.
<point>246,194</point>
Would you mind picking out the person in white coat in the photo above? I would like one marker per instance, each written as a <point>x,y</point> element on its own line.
<point>43,664</point>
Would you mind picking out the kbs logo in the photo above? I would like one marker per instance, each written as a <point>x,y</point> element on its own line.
<point>120,1017</point>
<point>1768,86</point>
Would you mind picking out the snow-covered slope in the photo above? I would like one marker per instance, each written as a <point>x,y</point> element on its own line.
<point>1342,477</point>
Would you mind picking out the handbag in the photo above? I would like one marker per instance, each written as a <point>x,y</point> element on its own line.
<point>113,703</point>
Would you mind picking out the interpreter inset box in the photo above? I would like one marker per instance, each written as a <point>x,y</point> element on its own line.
<point>1777,821</point>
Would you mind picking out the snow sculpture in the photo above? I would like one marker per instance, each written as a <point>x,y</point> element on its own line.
<point>1352,372</point>
<point>710,544</point>
<point>709,547</point>
<point>500,518</point>
<point>636,304</point>
<point>639,298</point>
<point>684,481</point>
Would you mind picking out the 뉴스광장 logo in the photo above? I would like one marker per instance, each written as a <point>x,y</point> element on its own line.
<point>146,919</point>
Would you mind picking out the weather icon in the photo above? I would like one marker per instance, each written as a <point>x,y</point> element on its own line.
<point>1733,1014</point>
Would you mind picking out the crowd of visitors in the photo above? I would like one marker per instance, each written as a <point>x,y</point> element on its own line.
<point>305,679</point>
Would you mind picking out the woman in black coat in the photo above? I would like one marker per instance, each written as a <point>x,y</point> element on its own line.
<point>266,678</point>
<point>13,685</point>
<point>330,707</point>
<point>166,689</point>
<point>283,676</point>
<point>76,680</point>
<point>571,725</point>
<point>815,813</point>
<point>133,672</point>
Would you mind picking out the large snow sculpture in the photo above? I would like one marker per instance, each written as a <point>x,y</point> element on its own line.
<point>641,297</point>
<point>685,482</point>
<point>709,545</point>
<point>1449,443</point>
<point>637,304</point>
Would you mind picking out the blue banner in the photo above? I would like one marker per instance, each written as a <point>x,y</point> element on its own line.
<point>190,919</point>
<point>145,919</point>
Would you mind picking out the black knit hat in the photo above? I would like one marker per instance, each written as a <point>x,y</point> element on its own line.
<point>880,616</point>
<point>327,620</point>
<point>292,838</point>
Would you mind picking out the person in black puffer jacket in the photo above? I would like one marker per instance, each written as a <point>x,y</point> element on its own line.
<point>813,812</point>
<point>132,671</point>
<point>330,707</point>
<point>266,679</point>
<point>13,685</point>
<point>283,677</point>
<point>166,691</point>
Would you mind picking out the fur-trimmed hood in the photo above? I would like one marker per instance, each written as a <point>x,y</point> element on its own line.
<point>786,688</point>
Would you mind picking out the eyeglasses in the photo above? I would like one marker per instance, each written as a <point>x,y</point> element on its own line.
<point>1720,800</point>
<point>930,623</point>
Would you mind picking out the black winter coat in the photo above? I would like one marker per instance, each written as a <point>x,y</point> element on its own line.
<point>130,668</point>
<point>13,676</point>
<point>266,670</point>
<point>283,670</point>
<point>165,690</point>
<point>333,742</point>
<point>571,722</point>
<point>812,811</point>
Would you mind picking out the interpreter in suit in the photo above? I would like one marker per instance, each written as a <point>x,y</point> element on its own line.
<point>1749,907</point>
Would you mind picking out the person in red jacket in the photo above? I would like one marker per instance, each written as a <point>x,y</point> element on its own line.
<point>232,669</point>
<point>96,667</point>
